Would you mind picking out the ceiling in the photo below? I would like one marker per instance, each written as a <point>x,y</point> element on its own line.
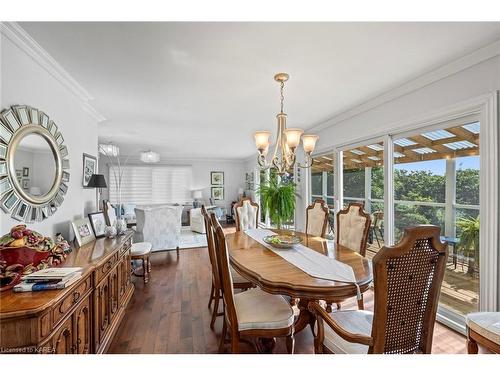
<point>200,90</point>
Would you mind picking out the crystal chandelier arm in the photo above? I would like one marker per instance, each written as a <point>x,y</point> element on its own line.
<point>308,162</point>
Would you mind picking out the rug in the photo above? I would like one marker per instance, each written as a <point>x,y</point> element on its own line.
<point>191,240</point>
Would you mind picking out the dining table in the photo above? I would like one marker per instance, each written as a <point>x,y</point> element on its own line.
<point>275,275</point>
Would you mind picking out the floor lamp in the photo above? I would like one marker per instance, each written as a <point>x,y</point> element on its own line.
<point>98,182</point>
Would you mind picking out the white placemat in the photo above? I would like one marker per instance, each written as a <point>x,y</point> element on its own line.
<point>308,260</point>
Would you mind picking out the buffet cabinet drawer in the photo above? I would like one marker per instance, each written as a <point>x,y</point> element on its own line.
<point>72,299</point>
<point>103,270</point>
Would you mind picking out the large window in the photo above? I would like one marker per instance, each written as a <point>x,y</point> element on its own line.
<point>436,181</point>
<point>322,179</point>
<point>152,184</point>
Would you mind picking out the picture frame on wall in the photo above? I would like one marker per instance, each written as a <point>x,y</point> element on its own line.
<point>98,223</point>
<point>89,168</point>
<point>217,193</point>
<point>26,172</point>
<point>83,231</point>
<point>26,183</point>
<point>217,178</point>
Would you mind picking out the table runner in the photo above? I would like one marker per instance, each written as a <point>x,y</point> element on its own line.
<point>310,261</point>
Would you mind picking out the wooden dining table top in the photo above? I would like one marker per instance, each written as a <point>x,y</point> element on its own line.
<point>275,275</point>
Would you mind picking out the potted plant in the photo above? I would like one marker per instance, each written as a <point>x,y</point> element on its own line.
<point>469,241</point>
<point>278,200</point>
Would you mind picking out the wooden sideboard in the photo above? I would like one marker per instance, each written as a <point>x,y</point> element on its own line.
<point>82,318</point>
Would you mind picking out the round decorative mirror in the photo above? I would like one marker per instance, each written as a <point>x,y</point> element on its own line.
<point>33,164</point>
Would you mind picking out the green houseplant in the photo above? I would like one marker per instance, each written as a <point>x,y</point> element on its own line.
<point>278,200</point>
<point>469,241</point>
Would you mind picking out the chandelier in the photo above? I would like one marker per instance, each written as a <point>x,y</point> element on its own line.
<point>109,149</point>
<point>287,141</point>
<point>150,157</point>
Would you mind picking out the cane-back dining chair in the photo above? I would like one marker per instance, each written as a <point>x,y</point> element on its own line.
<point>252,313</point>
<point>239,282</point>
<point>407,279</point>
<point>317,218</point>
<point>247,214</point>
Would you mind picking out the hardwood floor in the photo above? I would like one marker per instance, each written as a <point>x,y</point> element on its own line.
<point>170,314</point>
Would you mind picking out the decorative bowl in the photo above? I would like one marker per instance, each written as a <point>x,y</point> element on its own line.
<point>23,251</point>
<point>282,241</point>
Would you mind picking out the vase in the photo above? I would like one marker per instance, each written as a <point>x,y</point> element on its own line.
<point>121,226</point>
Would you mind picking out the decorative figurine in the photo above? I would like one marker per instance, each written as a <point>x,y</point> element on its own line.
<point>110,231</point>
<point>24,251</point>
<point>63,244</point>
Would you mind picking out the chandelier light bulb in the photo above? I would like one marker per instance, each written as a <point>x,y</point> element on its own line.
<point>262,140</point>
<point>309,142</point>
<point>293,137</point>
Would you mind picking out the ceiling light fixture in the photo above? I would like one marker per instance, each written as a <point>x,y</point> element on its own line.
<point>287,140</point>
<point>150,157</point>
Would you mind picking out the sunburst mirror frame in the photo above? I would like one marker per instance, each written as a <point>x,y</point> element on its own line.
<point>16,123</point>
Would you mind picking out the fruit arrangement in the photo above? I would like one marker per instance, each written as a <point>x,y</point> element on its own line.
<point>23,251</point>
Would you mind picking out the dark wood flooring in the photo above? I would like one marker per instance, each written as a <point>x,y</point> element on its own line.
<point>170,314</point>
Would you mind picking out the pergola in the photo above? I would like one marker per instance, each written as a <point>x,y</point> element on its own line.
<point>441,144</point>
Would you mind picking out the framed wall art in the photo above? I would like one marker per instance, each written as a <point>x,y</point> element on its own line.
<point>217,178</point>
<point>89,168</point>
<point>217,193</point>
<point>98,223</point>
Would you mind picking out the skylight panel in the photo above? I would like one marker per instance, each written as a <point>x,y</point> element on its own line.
<point>375,158</point>
<point>460,145</point>
<point>424,150</point>
<point>376,147</point>
<point>358,152</point>
<point>473,128</point>
<point>438,134</point>
<point>398,155</point>
<point>404,142</point>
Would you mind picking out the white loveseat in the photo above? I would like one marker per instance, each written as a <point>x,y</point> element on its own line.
<point>159,225</point>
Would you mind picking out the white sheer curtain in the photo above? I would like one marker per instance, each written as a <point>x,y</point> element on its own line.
<point>152,184</point>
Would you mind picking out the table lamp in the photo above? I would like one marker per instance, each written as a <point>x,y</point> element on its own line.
<point>97,181</point>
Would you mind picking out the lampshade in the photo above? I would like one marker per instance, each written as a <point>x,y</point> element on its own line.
<point>97,181</point>
<point>109,149</point>
<point>197,194</point>
<point>150,157</point>
<point>293,137</point>
<point>262,139</point>
<point>309,142</point>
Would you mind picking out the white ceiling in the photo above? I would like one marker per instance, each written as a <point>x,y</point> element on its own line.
<point>196,90</point>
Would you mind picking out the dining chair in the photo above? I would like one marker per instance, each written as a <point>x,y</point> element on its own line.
<point>253,313</point>
<point>377,227</point>
<point>407,279</point>
<point>239,282</point>
<point>317,218</point>
<point>353,228</point>
<point>247,214</point>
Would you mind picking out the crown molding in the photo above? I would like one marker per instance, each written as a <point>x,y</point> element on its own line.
<point>28,45</point>
<point>476,57</point>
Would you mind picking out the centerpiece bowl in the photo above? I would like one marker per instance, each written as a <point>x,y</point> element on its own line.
<point>282,241</point>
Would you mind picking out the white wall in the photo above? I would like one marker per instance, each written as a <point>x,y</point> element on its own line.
<point>234,176</point>
<point>24,81</point>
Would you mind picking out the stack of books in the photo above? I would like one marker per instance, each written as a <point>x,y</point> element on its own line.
<point>49,279</point>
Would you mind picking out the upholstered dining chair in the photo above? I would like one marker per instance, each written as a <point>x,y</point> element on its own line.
<point>239,282</point>
<point>252,313</point>
<point>317,218</point>
<point>353,226</point>
<point>247,214</point>
<point>407,279</point>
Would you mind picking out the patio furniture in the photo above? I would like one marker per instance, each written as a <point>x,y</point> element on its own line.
<point>142,251</point>
<point>317,218</point>
<point>216,292</point>
<point>483,328</point>
<point>247,214</point>
<point>377,227</point>
<point>453,242</point>
<point>407,279</point>
<point>274,274</point>
<point>161,226</point>
<point>252,313</point>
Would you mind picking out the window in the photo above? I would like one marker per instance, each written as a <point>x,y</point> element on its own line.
<point>152,184</point>
<point>322,179</point>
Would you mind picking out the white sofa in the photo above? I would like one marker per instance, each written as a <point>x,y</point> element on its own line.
<point>197,222</point>
<point>159,225</point>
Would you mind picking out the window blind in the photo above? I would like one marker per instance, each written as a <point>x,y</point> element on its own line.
<point>152,184</point>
